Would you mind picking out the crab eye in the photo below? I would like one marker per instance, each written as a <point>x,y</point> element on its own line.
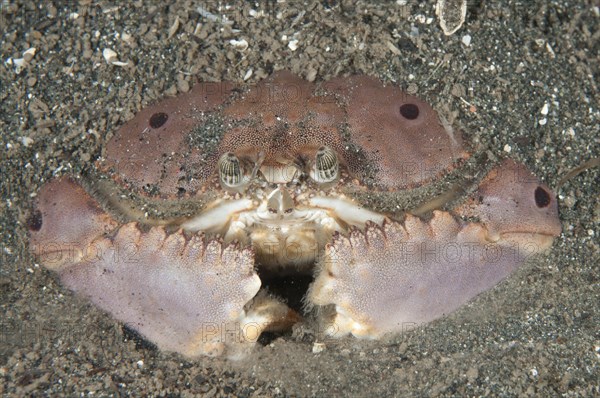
<point>230,171</point>
<point>326,168</point>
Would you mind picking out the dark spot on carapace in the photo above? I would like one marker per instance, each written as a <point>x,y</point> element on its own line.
<point>158,120</point>
<point>34,222</point>
<point>409,111</point>
<point>542,197</point>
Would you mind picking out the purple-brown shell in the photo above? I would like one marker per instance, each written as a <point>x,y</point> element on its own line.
<point>351,184</point>
<point>387,139</point>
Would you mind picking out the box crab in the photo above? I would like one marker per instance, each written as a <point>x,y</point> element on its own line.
<point>201,198</point>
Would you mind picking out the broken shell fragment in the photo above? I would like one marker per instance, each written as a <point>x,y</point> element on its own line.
<point>240,45</point>
<point>111,57</point>
<point>452,14</point>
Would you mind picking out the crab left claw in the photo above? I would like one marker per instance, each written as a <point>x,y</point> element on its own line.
<point>185,294</point>
<point>393,277</point>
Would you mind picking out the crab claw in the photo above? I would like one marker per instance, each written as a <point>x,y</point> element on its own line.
<point>56,240</point>
<point>393,277</point>
<point>183,294</point>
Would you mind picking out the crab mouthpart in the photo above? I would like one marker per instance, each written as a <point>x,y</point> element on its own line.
<point>288,230</point>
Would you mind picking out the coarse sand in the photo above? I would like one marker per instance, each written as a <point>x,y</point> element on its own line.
<point>520,78</point>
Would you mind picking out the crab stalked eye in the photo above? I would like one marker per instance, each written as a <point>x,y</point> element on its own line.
<point>326,168</point>
<point>231,174</point>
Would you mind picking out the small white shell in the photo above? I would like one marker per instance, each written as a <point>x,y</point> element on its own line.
<point>240,45</point>
<point>111,57</point>
<point>173,29</point>
<point>293,44</point>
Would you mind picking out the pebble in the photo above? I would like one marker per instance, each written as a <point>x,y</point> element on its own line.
<point>318,347</point>
<point>26,141</point>
<point>28,54</point>
<point>311,75</point>
<point>183,86</point>
<point>293,44</point>
<point>240,45</point>
<point>472,374</point>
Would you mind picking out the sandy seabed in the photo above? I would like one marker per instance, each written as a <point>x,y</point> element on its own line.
<point>526,86</point>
